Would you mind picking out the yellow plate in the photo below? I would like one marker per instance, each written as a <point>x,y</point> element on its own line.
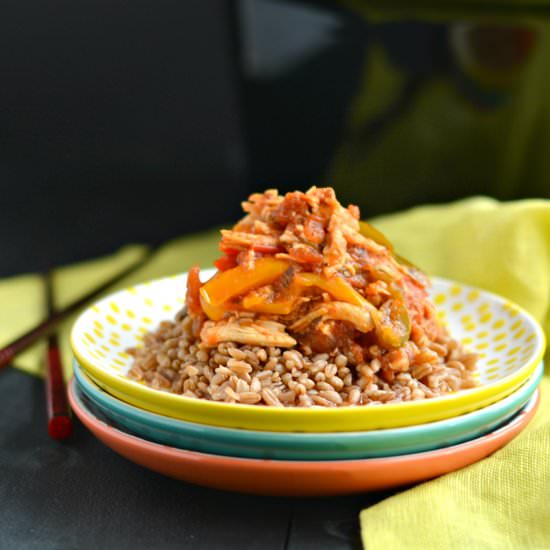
<point>510,342</point>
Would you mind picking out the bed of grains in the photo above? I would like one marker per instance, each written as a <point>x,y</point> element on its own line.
<point>172,360</point>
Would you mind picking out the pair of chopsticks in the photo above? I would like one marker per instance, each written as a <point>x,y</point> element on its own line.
<point>59,419</point>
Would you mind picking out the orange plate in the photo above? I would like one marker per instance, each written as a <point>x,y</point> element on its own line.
<point>299,478</point>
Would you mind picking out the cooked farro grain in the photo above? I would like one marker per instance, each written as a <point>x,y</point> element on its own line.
<point>308,307</point>
<point>253,375</point>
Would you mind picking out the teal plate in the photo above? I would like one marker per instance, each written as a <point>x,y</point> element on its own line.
<point>302,446</point>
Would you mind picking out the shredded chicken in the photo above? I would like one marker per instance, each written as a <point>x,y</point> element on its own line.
<point>244,331</point>
<point>315,235</point>
<point>360,318</point>
<point>240,239</point>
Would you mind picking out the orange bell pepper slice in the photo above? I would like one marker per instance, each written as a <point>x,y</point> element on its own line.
<point>335,286</point>
<point>229,284</point>
<point>234,282</point>
<point>261,300</point>
<point>215,313</point>
<point>259,305</point>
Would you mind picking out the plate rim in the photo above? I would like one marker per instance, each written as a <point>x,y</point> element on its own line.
<point>162,422</point>
<point>528,411</point>
<point>243,415</point>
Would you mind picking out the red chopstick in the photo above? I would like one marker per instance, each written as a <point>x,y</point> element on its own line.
<point>60,424</point>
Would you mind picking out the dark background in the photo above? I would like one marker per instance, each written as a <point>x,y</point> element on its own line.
<point>142,121</point>
<point>116,119</point>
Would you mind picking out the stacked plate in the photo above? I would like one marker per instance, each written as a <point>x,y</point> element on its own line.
<point>305,451</point>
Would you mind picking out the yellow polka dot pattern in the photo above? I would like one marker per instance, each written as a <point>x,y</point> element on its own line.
<point>504,337</point>
<point>118,322</point>
<point>498,331</point>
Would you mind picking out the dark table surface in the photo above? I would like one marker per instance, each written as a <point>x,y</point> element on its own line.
<point>80,494</point>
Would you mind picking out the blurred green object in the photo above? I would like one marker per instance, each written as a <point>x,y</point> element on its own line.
<point>482,126</point>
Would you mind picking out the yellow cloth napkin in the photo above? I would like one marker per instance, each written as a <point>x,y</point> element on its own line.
<point>22,303</point>
<point>501,502</point>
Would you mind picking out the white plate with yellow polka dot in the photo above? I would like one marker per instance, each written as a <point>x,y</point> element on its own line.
<point>510,343</point>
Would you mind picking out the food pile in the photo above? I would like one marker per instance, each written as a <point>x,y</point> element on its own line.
<point>309,307</point>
